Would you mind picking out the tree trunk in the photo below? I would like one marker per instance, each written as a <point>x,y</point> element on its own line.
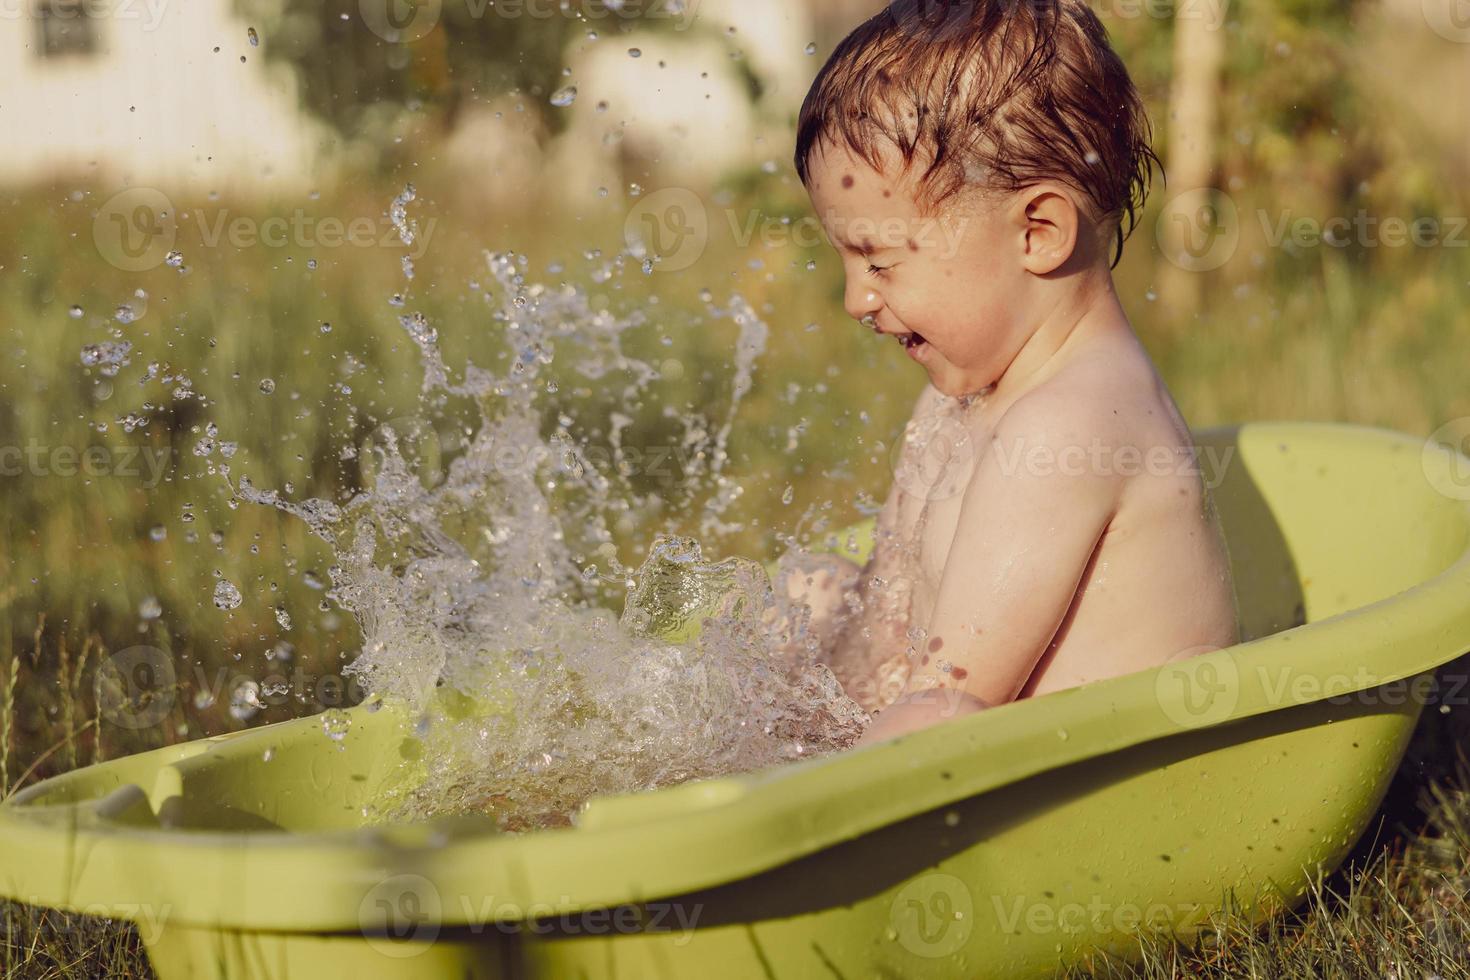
<point>1199,51</point>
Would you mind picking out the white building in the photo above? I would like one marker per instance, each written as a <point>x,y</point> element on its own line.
<point>148,92</point>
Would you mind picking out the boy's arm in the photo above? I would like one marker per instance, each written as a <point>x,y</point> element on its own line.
<point>876,631</point>
<point>1029,522</point>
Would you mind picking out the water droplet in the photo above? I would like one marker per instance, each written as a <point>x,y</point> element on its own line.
<point>811,48</point>
<point>563,97</point>
<point>76,312</point>
<point>1150,295</point>
<point>326,327</point>
<point>267,385</point>
<point>245,700</point>
<point>226,596</point>
<point>283,618</point>
<point>174,259</point>
<point>952,819</point>
<point>252,37</point>
<point>335,723</point>
<point>108,357</point>
<point>203,698</point>
<point>635,52</point>
<point>268,754</point>
<point>150,608</point>
<point>158,532</point>
<point>788,495</point>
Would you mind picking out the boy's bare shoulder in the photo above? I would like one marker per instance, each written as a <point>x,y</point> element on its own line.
<point>1105,398</point>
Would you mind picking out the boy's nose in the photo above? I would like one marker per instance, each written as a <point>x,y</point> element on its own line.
<point>861,302</point>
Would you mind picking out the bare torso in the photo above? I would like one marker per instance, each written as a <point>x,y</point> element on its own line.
<point>1157,584</point>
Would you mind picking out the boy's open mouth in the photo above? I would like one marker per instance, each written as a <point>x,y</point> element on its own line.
<point>911,339</point>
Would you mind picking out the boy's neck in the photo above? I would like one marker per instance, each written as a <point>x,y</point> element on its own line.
<point>1089,311</point>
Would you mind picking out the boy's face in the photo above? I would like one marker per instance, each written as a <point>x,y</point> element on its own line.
<point>954,280</point>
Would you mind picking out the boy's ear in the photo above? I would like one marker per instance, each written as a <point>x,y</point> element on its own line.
<point>1051,227</point>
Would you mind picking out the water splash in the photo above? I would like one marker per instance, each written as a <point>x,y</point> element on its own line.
<point>482,611</point>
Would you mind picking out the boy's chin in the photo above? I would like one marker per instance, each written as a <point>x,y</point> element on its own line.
<point>947,381</point>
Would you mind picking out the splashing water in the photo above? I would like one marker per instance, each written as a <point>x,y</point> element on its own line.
<point>481,611</point>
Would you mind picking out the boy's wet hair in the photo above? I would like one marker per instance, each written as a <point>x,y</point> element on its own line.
<point>999,92</point>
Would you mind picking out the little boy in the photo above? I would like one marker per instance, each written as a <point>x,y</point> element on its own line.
<point>972,163</point>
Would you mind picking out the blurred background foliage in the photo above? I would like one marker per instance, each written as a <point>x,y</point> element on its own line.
<point>1325,107</point>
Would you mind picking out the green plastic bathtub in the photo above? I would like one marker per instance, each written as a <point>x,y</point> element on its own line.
<point>998,845</point>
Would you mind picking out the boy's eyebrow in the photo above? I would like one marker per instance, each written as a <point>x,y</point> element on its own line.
<point>865,248</point>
